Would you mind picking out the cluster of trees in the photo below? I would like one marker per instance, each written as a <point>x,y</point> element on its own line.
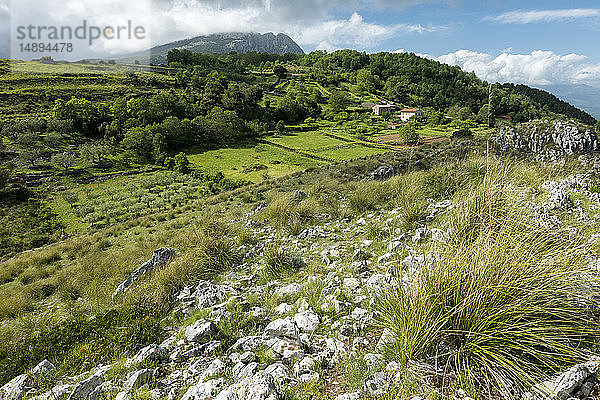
<point>212,107</point>
<point>208,111</point>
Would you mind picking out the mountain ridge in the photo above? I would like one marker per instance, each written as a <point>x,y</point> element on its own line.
<point>222,43</point>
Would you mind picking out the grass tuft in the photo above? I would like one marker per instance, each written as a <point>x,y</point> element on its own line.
<point>505,308</point>
<point>279,260</point>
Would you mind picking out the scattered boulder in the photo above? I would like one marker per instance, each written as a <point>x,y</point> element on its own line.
<point>43,368</point>
<point>137,379</point>
<point>258,387</point>
<point>308,320</point>
<point>549,139</point>
<point>567,384</point>
<point>200,331</point>
<point>376,384</point>
<point>207,294</point>
<point>382,173</point>
<point>204,390</point>
<point>283,328</point>
<point>149,354</point>
<point>82,390</point>
<point>21,385</point>
<point>288,290</point>
<point>159,259</point>
<point>279,372</point>
<point>16,388</point>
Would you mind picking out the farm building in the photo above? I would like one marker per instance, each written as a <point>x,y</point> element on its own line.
<point>379,109</point>
<point>408,113</point>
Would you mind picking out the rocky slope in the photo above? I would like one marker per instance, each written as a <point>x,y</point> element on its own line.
<point>297,316</point>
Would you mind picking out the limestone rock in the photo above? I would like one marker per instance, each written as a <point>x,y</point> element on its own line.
<point>82,390</point>
<point>307,320</point>
<point>16,388</point>
<point>566,384</point>
<point>200,331</point>
<point>258,387</point>
<point>149,354</point>
<point>43,368</point>
<point>204,390</point>
<point>382,173</point>
<point>159,259</point>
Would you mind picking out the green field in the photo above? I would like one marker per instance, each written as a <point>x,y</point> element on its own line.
<point>306,140</point>
<point>350,151</point>
<point>252,163</point>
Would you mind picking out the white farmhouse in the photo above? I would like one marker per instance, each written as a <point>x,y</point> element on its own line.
<point>408,113</point>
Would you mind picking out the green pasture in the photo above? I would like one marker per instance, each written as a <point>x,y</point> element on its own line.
<point>253,163</point>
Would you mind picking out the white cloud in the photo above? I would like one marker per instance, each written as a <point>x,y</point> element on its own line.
<point>527,17</point>
<point>537,68</point>
<point>309,22</point>
<point>355,31</point>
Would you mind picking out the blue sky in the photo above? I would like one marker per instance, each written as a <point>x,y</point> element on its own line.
<point>539,43</point>
<point>477,26</point>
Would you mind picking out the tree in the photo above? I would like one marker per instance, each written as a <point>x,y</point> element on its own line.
<point>280,127</point>
<point>5,175</point>
<point>366,81</point>
<point>86,116</point>
<point>409,133</point>
<point>597,126</point>
<point>280,71</point>
<point>64,160</point>
<point>181,163</point>
<point>338,101</point>
<point>139,140</point>
<point>30,155</point>
<point>395,90</point>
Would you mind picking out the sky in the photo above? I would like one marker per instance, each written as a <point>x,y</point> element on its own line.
<point>539,43</point>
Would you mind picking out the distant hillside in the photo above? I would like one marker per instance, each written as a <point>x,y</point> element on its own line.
<point>554,104</point>
<point>583,96</point>
<point>222,43</point>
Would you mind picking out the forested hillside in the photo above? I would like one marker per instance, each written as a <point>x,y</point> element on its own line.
<point>552,103</point>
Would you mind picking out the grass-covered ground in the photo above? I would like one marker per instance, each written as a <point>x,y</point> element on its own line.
<point>504,298</point>
<point>253,163</point>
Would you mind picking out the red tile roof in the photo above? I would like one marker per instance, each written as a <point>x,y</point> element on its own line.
<point>410,110</point>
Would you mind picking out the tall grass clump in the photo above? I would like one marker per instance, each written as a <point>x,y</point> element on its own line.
<point>368,196</point>
<point>288,213</point>
<point>502,309</point>
<point>279,260</point>
<point>408,192</point>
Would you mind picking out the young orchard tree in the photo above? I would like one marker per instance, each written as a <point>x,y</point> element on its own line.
<point>64,160</point>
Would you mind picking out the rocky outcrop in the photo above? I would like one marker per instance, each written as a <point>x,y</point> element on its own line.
<point>20,386</point>
<point>549,139</point>
<point>159,259</point>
